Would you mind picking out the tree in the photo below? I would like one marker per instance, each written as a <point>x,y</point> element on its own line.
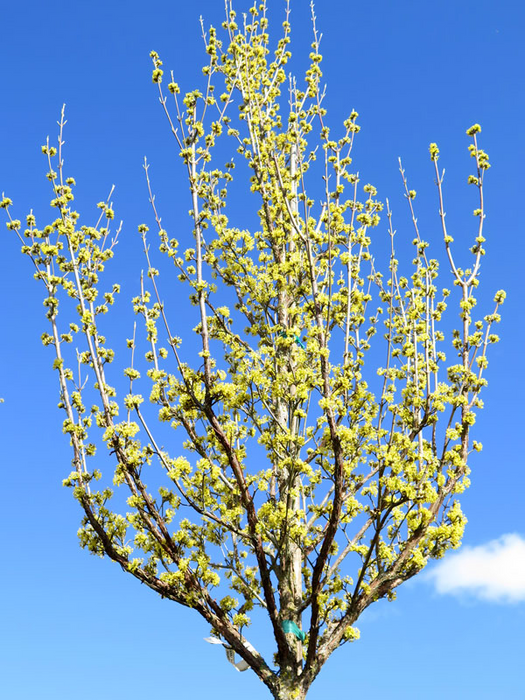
<point>359,485</point>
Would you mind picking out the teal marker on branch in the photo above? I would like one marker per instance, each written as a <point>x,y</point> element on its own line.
<point>297,338</point>
<point>290,626</point>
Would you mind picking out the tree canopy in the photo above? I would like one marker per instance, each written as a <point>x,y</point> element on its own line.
<point>312,482</point>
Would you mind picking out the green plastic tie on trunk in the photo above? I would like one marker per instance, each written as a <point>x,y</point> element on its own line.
<point>297,339</point>
<point>290,626</point>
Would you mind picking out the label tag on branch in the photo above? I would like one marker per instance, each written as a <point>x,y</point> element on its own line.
<point>241,665</point>
<point>290,627</point>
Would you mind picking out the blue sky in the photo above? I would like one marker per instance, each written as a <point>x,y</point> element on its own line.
<point>76,627</point>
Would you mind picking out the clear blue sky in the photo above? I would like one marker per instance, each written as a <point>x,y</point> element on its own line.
<point>76,627</point>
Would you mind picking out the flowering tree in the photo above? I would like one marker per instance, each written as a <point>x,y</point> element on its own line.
<point>303,492</point>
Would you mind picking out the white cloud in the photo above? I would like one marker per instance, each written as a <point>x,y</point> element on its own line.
<point>494,571</point>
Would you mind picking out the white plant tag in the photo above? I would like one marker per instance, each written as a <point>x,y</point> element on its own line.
<point>240,665</point>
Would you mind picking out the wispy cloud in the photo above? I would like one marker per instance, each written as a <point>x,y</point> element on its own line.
<point>494,571</point>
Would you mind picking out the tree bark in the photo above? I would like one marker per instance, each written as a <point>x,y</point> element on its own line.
<point>289,691</point>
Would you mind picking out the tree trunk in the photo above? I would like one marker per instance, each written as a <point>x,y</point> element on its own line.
<point>289,691</point>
